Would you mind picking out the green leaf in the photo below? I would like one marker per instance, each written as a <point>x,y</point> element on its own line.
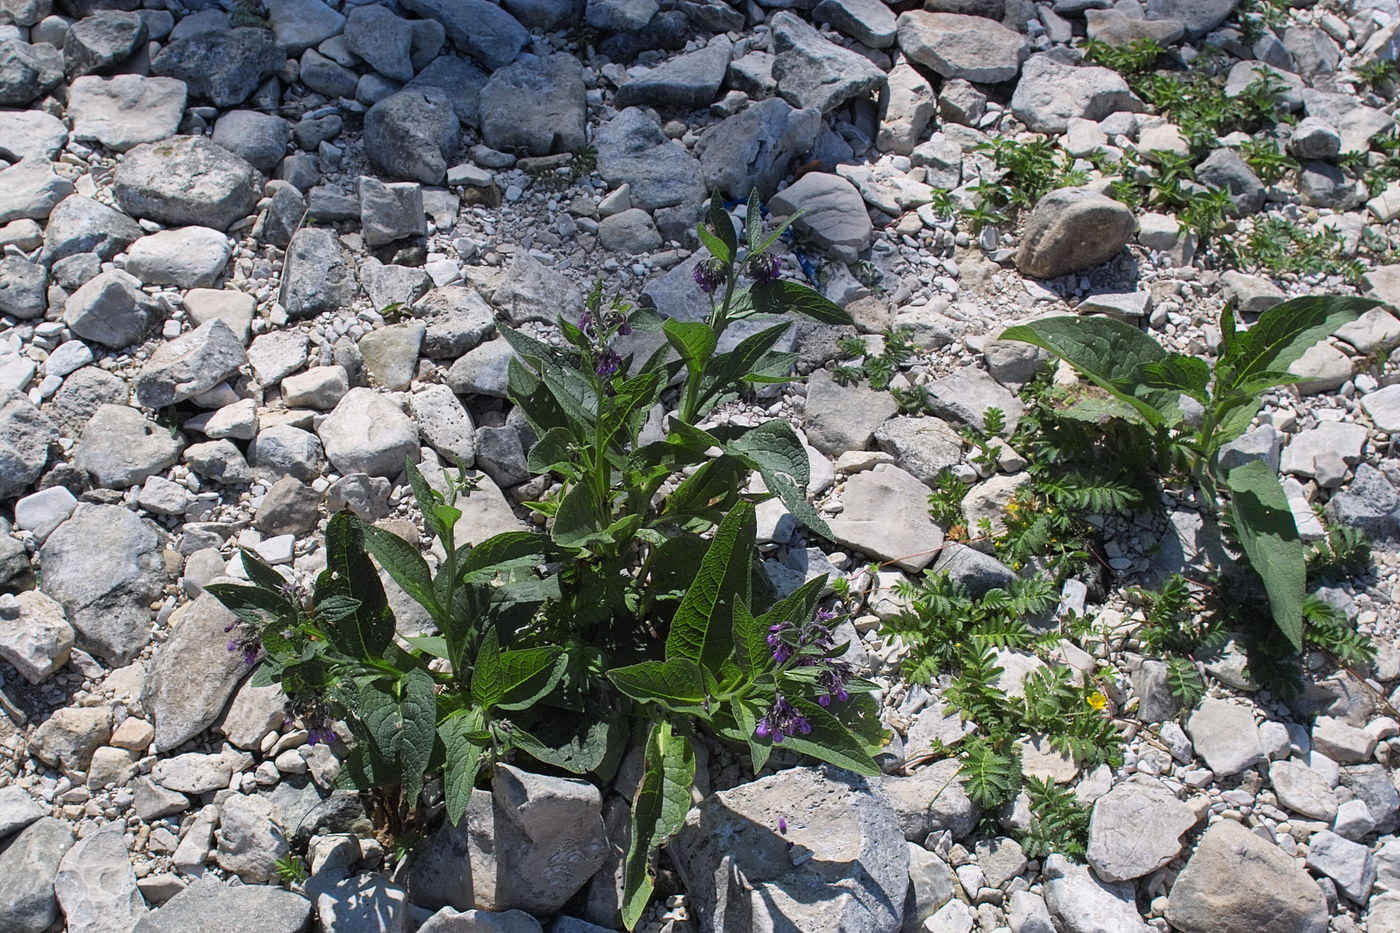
<point>252,604</point>
<point>1189,375</point>
<point>829,740</point>
<point>405,565</point>
<point>431,645</point>
<point>488,676</point>
<point>576,522</point>
<point>527,675</point>
<point>774,447</point>
<point>554,452</point>
<point>715,484</point>
<point>676,684</point>
<point>463,759</point>
<point>1288,330</point>
<point>1269,538</point>
<point>418,712</point>
<point>506,551</point>
<point>751,650</point>
<point>702,628</point>
<point>260,573</point>
<point>634,396</point>
<point>723,224</point>
<point>728,368</point>
<point>714,244</point>
<point>658,813</point>
<point>1108,352</point>
<point>693,341</point>
<point>753,221</point>
<point>349,572</point>
<point>781,296</point>
<point>581,744</point>
<point>575,396</point>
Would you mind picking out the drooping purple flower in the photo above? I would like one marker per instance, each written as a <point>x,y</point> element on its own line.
<point>246,641</point>
<point>782,824</point>
<point>709,275</point>
<point>833,681</point>
<point>781,649</point>
<point>782,721</point>
<point>585,323</point>
<point>763,267</point>
<point>320,735</point>
<point>608,362</point>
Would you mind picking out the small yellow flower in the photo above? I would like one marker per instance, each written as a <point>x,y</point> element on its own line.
<point>1097,700</point>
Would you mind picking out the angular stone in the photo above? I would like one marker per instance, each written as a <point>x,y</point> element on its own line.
<point>29,864</point>
<point>632,150</point>
<point>1348,863</point>
<point>481,29</point>
<point>530,844</point>
<point>1073,230</point>
<point>1224,735</point>
<point>754,147</point>
<point>26,71</point>
<point>250,838</point>
<point>31,134</point>
<point>922,445</point>
<point>855,879</point>
<point>119,447</point>
<point>81,225</point>
<point>1135,829</point>
<point>1303,790</point>
<point>840,418</point>
<point>411,135</point>
<point>190,257</point>
<point>101,41</point>
<point>835,216</point>
<point>814,73</point>
<point>193,674</point>
<point>35,637</point>
<point>96,886</point>
<point>319,274</point>
<point>1082,903</point>
<point>681,84</point>
<point>260,139</point>
<point>210,906</point>
<point>104,565</point>
<point>885,515</point>
<point>1052,92</point>
<point>958,46</point>
<point>190,365</point>
<point>186,180</point>
<point>366,433</point>
<point>69,737</point>
<point>536,106</point>
<point>224,66</point>
<point>30,189</point>
<point>25,436</point>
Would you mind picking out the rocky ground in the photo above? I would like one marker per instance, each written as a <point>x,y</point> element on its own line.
<point>254,257</point>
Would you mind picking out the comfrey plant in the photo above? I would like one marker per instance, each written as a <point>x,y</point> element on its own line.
<point>639,617</point>
<point>1143,383</point>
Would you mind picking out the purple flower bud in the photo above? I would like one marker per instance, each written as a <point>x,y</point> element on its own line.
<point>709,275</point>
<point>763,267</point>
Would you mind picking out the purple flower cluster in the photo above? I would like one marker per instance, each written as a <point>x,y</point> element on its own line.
<point>317,719</point>
<point>245,640</point>
<point>600,330</point>
<point>709,275</point>
<point>782,721</point>
<point>763,268</point>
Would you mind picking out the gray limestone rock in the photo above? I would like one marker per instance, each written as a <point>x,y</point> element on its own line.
<point>23,288</point>
<point>1224,735</point>
<point>931,799</point>
<point>1237,882</point>
<point>30,189</point>
<point>1082,903</point>
<point>318,276</point>
<point>35,636</point>
<point>536,106</point>
<point>958,46</point>
<point>25,436</point>
<point>411,135</point>
<point>681,84</point>
<point>885,515</point>
<point>460,79</point>
<point>110,310</point>
<point>383,40</point>
<point>17,810</point>
<point>125,111</point>
<point>190,257</point>
<point>531,291</point>
<point>755,147</point>
<point>633,151</point>
<point>529,844</point>
<point>224,66</point>
<point>250,838</point>
<point>366,433</point>
<point>814,73</point>
<point>840,418</point>
<point>96,886</point>
<point>209,905</point>
<point>119,447</point>
<point>81,225</point>
<point>186,180</point>
<point>260,139</point>
<point>28,864</point>
<point>1135,829</point>
<point>835,216</point>
<point>868,21</point>
<point>194,672</point>
<point>102,41</point>
<point>854,881</point>
<point>190,365</point>
<point>104,566</point>
<point>26,71</point>
<point>1052,92</point>
<point>390,354</point>
<point>924,446</point>
<point>481,29</point>
<point>1073,230</point>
